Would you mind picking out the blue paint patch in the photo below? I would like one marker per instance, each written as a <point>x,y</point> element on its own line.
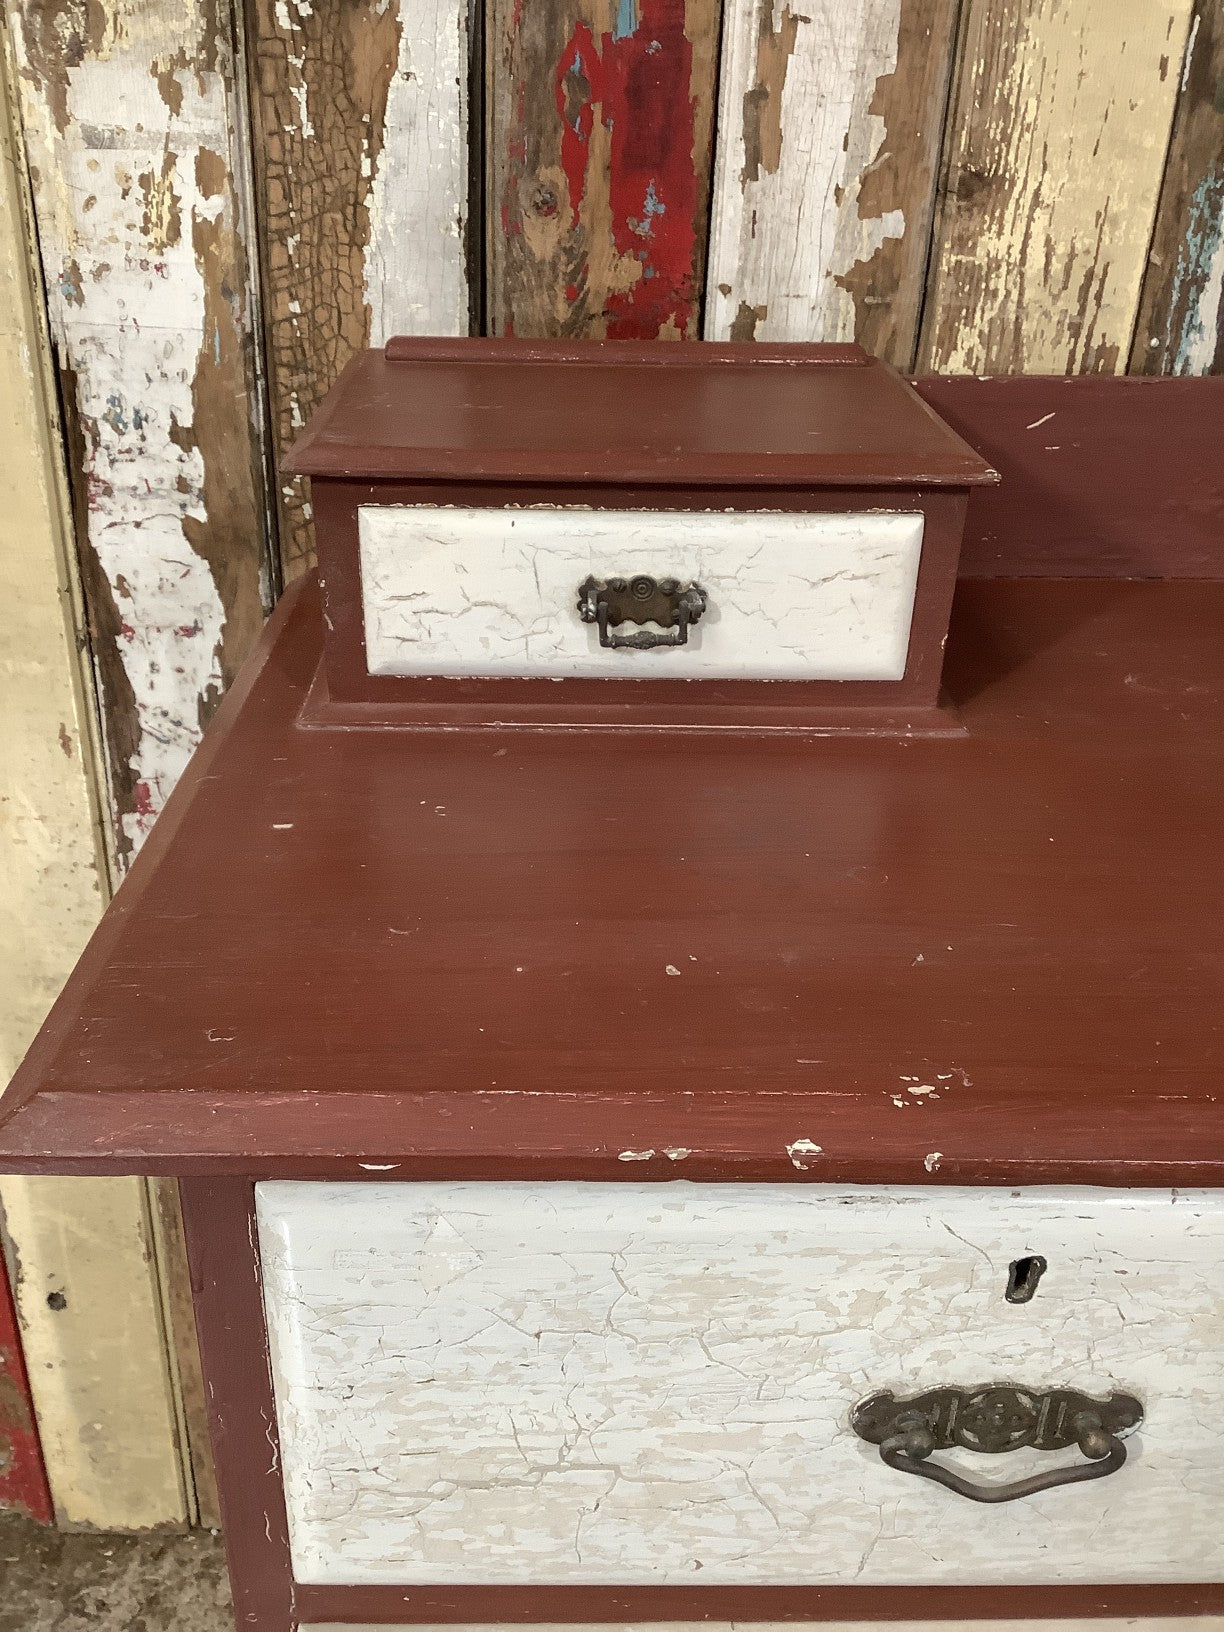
<point>1194,280</point>
<point>626,19</point>
<point>114,415</point>
<point>652,205</point>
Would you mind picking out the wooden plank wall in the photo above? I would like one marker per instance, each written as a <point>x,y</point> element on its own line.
<point>230,199</point>
<point>81,1251</point>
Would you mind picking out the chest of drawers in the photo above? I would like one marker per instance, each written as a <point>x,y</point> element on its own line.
<point>752,1173</point>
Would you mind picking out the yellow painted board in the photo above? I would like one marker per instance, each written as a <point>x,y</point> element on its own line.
<point>1055,152</point>
<point>98,1365</point>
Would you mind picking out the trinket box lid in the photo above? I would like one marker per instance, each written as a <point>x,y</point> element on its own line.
<point>622,413</point>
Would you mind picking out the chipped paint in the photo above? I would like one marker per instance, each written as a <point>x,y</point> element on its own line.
<point>360,155</point>
<point>602,116</point>
<point>1181,322</point>
<point>1058,150</point>
<point>824,179</point>
<point>415,261</point>
<point>142,250</point>
<point>800,1151</point>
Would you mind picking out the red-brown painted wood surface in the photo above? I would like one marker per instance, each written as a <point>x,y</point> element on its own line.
<point>23,1478</point>
<point>984,960</point>
<point>227,1283</point>
<point>1100,477</point>
<point>562,1606</point>
<point>719,415</point>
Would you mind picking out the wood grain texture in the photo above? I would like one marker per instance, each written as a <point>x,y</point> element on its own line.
<point>23,1477</point>
<point>599,135</point>
<point>830,124</point>
<point>128,112</point>
<point>1058,131</point>
<point>1181,316</point>
<point>485,909</point>
<point>360,145</point>
<point>97,1351</point>
<point>53,883</point>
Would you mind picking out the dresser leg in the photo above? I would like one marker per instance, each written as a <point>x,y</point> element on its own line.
<point>223,1252</point>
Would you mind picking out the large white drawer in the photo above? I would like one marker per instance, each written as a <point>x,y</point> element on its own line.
<point>452,591</point>
<point>645,1383</point>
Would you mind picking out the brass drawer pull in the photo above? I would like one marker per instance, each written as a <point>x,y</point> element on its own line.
<point>993,1419</point>
<point>641,599</point>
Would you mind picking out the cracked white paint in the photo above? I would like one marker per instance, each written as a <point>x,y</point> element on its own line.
<point>118,194</point>
<point>451,591</point>
<point>415,260</point>
<point>631,1382</point>
<point>782,237</point>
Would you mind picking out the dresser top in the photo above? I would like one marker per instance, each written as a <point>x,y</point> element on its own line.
<point>618,413</point>
<point>988,959</point>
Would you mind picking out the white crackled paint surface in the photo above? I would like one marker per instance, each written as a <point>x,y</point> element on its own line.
<point>415,261</point>
<point>785,227</point>
<point>652,1383</point>
<point>451,591</point>
<point>119,193</point>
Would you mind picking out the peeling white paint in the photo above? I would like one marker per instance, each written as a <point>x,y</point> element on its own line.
<point>415,262</point>
<point>117,198</point>
<point>621,1382</point>
<point>779,242</point>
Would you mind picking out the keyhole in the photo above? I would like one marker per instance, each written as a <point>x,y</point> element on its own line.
<point>1023,1277</point>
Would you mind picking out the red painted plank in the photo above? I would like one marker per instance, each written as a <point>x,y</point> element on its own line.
<point>601,133</point>
<point>23,1478</point>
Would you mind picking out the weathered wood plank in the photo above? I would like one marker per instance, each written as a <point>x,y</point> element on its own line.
<point>152,344</point>
<point>361,172</point>
<point>1181,316</point>
<point>129,112</point>
<point>96,1350</point>
<point>1058,133</point>
<point>23,1478</point>
<point>829,132</point>
<point>599,136</point>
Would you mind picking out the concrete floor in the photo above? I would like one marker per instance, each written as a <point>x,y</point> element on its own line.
<point>51,1582</point>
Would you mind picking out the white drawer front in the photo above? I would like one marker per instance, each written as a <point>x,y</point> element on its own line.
<point>451,591</point>
<point>632,1382</point>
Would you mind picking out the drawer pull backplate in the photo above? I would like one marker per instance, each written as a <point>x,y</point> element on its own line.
<point>993,1419</point>
<point>641,599</point>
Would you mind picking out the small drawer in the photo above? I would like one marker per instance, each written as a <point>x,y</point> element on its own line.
<point>628,1383</point>
<point>487,593</point>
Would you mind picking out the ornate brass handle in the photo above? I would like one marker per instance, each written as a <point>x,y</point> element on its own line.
<point>641,600</point>
<point>996,1418</point>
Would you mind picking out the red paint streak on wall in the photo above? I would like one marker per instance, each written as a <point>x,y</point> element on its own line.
<point>23,1479</point>
<point>638,85</point>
